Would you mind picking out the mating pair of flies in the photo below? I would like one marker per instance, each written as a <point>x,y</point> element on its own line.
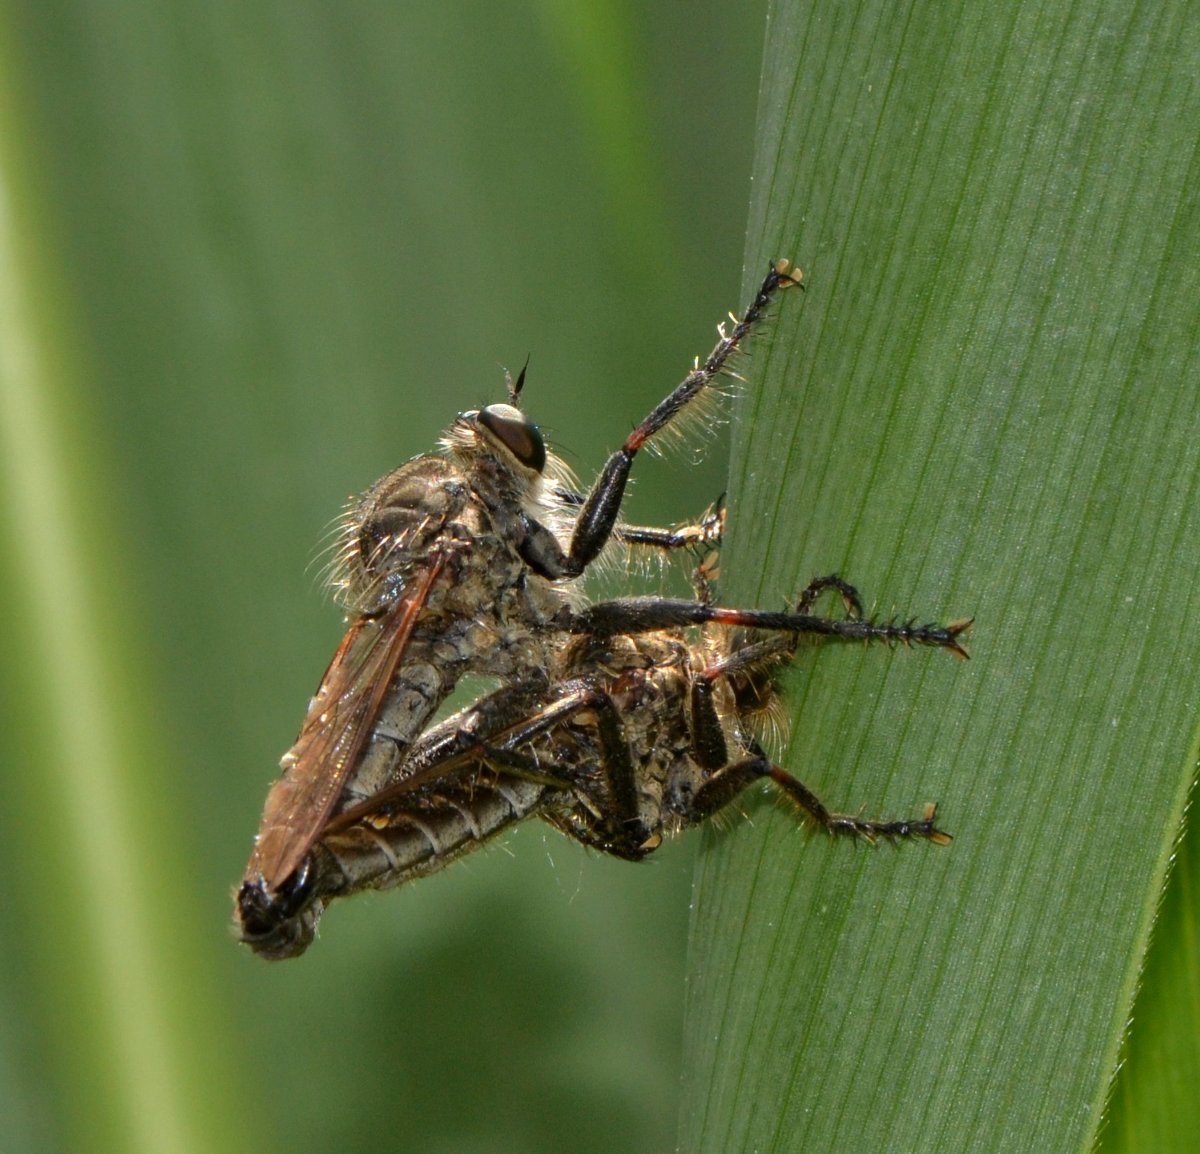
<point>617,722</point>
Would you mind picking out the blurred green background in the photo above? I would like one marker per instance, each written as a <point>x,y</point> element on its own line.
<point>263,254</point>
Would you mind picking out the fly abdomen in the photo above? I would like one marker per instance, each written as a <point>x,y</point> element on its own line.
<point>416,692</point>
<point>431,832</point>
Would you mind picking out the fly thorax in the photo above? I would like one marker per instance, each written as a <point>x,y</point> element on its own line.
<point>391,531</point>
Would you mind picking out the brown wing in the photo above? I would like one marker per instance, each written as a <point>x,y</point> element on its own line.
<point>337,725</point>
<point>429,763</point>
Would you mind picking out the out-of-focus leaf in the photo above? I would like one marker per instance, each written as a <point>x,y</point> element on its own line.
<point>283,245</point>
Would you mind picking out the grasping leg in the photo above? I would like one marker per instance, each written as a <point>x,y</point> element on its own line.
<point>598,513</point>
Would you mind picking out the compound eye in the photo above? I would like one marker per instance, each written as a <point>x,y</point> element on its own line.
<point>510,428</point>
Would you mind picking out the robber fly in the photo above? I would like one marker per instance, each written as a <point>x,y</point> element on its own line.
<point>460,561</point>
<point>636,736</point>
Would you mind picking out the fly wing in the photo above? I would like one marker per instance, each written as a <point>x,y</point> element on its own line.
<point>338,723</point>
<point>498,723</point>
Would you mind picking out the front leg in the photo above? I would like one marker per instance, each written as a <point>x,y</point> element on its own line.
<point>541,551</point>
<point>598,513</point>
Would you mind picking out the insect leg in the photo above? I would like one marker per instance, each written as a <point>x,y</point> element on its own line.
<point>608,816</point>
<point>706,530</point>
<point>489,730</point>
<point>597,819</point>
<point>616,766</point>
<point>646,614</point>
<point>750,657</point>
<point>818,585</point>
<point>720,789</point>
<point>709,749</point>
<point>605,814</point>
<point>598,514</point>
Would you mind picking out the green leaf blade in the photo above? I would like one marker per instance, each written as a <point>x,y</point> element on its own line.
<point>977,409</point>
